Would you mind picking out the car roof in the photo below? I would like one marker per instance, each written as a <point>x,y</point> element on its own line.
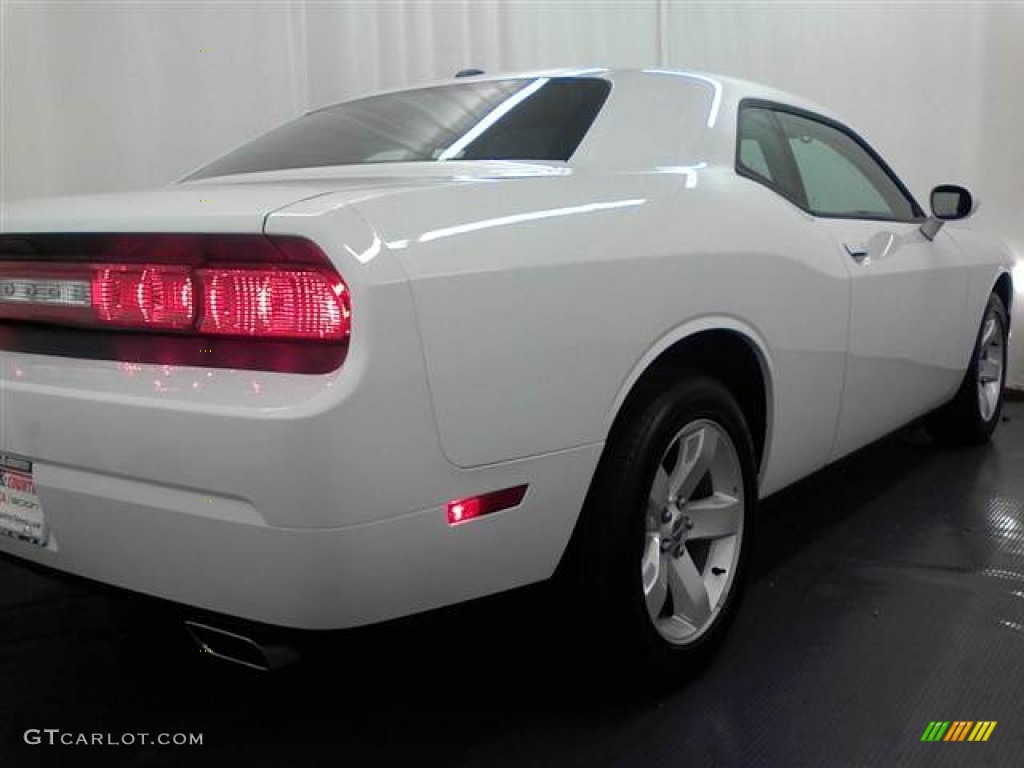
<point>734,88</point>
<point>644,103</point>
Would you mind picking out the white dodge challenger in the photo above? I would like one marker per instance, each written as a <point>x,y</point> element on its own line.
<point>437,343</point>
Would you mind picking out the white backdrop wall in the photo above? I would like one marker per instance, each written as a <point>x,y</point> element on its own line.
<point>102,96</point>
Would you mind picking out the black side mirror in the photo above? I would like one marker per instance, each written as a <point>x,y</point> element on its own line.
<point>951,202</point>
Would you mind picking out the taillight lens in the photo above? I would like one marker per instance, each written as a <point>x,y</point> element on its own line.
<point>153,296</point>
<point>241,289</point>
<point>300,304</point>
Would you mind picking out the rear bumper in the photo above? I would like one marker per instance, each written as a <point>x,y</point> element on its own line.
<point>310,502</point>
<point>302,578</point>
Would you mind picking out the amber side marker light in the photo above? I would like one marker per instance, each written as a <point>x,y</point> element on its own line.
<point>472,507</point>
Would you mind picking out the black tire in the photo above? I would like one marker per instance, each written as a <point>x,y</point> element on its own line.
<point>961,421</point>
<point>604,562</point>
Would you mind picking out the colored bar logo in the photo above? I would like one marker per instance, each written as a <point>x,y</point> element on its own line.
<point>958,730</point>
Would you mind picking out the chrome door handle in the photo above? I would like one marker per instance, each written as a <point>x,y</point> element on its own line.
<point>856,252</point>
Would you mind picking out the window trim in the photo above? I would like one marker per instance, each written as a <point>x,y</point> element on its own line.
<point>775,107</point>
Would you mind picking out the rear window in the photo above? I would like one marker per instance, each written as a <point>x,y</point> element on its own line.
<point>518,119</point>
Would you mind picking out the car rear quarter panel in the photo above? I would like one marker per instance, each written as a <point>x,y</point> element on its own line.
<point>540,300</point>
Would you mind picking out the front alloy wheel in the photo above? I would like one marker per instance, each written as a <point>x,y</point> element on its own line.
<point>991,361</point>
<point>973,413</point>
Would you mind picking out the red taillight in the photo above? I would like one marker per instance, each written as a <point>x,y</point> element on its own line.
<point>143,296</point>
<point>247,301</point>
<point>298,304</point>
<point>464,510</point>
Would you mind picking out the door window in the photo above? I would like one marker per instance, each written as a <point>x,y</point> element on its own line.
<point>837,175</point>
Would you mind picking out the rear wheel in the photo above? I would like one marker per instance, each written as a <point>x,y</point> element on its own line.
<point>974,412</point>
<point>666,530</point>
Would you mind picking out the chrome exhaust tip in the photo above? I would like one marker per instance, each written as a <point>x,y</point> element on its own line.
<point>239,649</point>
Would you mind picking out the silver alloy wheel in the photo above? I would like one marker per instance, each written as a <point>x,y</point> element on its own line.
<point>694,530</point>
<point>991,362</point>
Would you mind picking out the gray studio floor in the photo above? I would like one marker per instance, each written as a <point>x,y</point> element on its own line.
<point>889,593</point>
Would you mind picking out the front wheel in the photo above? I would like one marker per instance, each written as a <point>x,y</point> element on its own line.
<point>972,415</point>
<point>667,528</point>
